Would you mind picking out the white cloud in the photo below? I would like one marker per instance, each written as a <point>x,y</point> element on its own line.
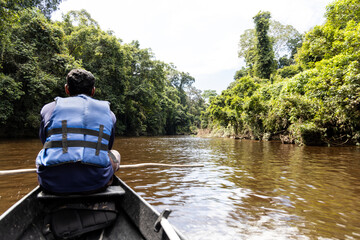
<point>198,36</point>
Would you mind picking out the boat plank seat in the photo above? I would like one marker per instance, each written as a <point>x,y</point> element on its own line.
<point>111,191</point>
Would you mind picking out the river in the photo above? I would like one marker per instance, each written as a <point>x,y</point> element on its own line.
<point>246,190</point>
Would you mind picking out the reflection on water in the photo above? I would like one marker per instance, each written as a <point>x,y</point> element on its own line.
<point>247,189</point>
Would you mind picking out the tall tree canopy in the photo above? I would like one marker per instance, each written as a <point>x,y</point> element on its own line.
<point>264,55</point>
<point>285,39</point>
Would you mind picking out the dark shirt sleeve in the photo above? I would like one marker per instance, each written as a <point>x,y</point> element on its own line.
<point>45,114</point>
<point>112,136</point>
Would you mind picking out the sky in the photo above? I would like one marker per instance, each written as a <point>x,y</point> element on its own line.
<point>199,37</point>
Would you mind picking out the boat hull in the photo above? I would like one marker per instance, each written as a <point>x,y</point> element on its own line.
<point>136,218</point>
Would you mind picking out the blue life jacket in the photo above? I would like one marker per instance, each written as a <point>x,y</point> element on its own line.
<point>78,131</point>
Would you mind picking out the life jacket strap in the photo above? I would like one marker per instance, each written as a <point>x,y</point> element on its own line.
<point>64,142</point>
<point>98,145</point>
<point>77,131</point>
<point>79,143</point>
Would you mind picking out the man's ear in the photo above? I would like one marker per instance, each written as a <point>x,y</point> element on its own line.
<point>67,89</point>
<point>92,92</point>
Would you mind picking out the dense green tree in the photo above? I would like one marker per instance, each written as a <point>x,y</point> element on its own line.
<point>247,45</point>
<point>196,103</point>
<point>45,6</point>
<point>145,86</point>
<point>180,80</point>
<point>34,65</point>
<point>331,52</point>
<point>339,13</point>
<point>10,91</point>
<point>209,94</point>
<point>264,64</point>
<point>9,15</point>
<point>241,73</point>
<point>286,39</point>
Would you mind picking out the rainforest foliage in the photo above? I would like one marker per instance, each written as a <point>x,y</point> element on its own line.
<point>299,88</point>
<point>311,97</point>
<point>148,97</point>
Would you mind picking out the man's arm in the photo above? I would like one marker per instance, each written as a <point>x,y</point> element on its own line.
<point>112,136</point>
<point>45,113</point>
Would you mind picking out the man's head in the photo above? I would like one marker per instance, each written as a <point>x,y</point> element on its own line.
<point>79,81</point>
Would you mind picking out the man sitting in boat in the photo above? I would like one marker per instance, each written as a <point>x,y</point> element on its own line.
<point>78,134</point>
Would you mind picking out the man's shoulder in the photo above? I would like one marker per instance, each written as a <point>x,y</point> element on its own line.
<point>48,106</point>
<point>47,110</point>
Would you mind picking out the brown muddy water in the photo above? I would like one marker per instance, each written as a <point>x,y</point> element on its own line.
<point>247,189</point>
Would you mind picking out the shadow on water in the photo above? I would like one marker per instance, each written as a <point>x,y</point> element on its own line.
<point>247,189</point>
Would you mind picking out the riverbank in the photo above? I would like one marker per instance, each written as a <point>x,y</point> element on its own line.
<point>303,135</point>
<point>229,133</point>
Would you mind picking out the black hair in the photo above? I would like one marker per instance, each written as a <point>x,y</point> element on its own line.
<point>80,81</point>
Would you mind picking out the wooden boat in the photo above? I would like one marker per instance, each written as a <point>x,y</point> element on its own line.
<point>135,219</point>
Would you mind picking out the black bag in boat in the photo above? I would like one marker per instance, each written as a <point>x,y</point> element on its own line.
<point>75,219</point>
